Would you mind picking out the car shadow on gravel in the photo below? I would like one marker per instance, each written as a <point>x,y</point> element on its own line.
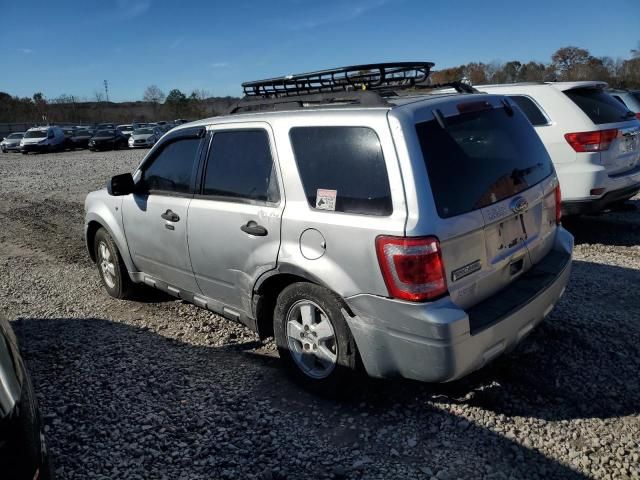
<point>582,362</point>
<point>116,398</point>
<point>610,228</point>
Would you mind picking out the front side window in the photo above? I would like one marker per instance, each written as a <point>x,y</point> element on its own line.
<point>342,169</point>
<point>172,169</point>
<point>240,167</point>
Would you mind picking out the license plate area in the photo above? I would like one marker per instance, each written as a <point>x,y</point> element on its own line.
<point>511,232</point>
<point>630,143</point>
<point>505,238</point>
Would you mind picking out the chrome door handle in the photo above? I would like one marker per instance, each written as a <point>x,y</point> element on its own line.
<point>170,216</point>
<point>252,228</point>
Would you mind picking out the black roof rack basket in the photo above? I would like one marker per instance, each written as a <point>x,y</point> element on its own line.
<point>374,76</point>
<point>357,85</point>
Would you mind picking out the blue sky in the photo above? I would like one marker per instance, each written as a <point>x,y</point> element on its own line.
<point>68,47</point>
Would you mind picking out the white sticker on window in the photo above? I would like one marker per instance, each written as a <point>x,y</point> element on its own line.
<point>326,199</point>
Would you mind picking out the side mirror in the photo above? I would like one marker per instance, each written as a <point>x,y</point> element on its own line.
<point>121,185</point>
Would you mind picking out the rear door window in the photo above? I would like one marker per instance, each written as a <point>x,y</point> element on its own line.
<point>480,158</point>
<point>240,167</point>
<point>342,169</point>
<point>530,109</point>
<point>598,105</point>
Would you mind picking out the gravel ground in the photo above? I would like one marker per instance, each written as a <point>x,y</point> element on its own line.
<point>157,388</point>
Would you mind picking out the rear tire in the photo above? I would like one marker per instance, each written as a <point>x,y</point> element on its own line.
<point>314,340</point>
<point>111,267</point>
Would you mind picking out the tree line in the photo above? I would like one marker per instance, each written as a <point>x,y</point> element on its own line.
<point>567,64</point>
<point>155,105</point>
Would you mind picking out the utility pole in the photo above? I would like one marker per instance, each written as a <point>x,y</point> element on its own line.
<point>106,89</point>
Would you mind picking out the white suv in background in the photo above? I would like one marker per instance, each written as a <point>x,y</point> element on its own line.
<point>42,139</point>
<point>593,140</point>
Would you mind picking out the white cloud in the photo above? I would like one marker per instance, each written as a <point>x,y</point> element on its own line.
<point>219,64</point>
<point>129,9</point>
<point>345,14</point>
<point>26,51</point>
<point>176,43</point>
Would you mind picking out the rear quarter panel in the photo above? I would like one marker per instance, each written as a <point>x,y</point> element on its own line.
<point>349,265</point>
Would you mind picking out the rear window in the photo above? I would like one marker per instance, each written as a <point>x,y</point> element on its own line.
<point>481,158</point>
<point>342,169</point>
<point>636,95</point>
<point>598,105</point>
<point>531,110</point>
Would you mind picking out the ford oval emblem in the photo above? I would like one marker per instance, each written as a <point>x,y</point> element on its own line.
<point>519,204</point>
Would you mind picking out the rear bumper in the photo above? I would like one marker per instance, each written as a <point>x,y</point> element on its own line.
<point>34,148</point>
<point>577,181</point>
<point>440,342</point>
<point>583,207</point>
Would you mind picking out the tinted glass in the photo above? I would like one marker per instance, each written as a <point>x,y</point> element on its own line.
<point>105,133</point>
<point>16,135</point>
<point>346,160</point>
<point>636,95</point>
<point>240,166</point>
<point>530,109</point>
<point>481,158</point>
<point>172,169</point>
<point>36,134</point>
<point>599,106</point>
<point>619,99</point>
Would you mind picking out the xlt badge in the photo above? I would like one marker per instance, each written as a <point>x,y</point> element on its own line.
<point>465,271</point>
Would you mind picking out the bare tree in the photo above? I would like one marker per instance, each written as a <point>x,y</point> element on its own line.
<point>153,94</point>
<point>98,95</point>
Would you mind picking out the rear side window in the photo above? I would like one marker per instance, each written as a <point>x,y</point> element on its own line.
<point>480,158</point>
<point>240,166</point>
<point>172,169</point>
<point>598,105</point>
<point>342,169</point>
<point>530,109</point>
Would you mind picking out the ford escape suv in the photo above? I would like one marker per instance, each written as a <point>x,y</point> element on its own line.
<point>353,218</point>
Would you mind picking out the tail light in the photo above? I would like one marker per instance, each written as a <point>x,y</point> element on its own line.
<point>412,267</point>
<point>558,205</point>
<point>638,115</point>
<point>591,141</point>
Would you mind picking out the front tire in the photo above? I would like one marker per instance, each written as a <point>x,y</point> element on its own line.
<point>111,267</point>
<point>314,340</point>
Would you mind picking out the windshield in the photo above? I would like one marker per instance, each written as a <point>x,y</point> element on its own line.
<point>124,127</point>
<point>480,158</point>
<point>16,135</point>
<point>36,134</point>
<point>143,131</point>
<point>599,106</point>
<point>105,133</point>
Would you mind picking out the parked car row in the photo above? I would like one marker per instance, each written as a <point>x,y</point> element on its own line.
<point>103,136</point>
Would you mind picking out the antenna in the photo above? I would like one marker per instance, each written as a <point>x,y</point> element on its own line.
<point>106,89</point>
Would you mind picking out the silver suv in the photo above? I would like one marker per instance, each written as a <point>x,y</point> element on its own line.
<point>359,224</point>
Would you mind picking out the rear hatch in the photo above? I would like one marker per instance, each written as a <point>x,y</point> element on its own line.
<point>494,189</point>
<point>616,134</point>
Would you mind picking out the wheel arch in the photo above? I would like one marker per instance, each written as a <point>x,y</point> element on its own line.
<point>269,286</point>
<point>93,223</point>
